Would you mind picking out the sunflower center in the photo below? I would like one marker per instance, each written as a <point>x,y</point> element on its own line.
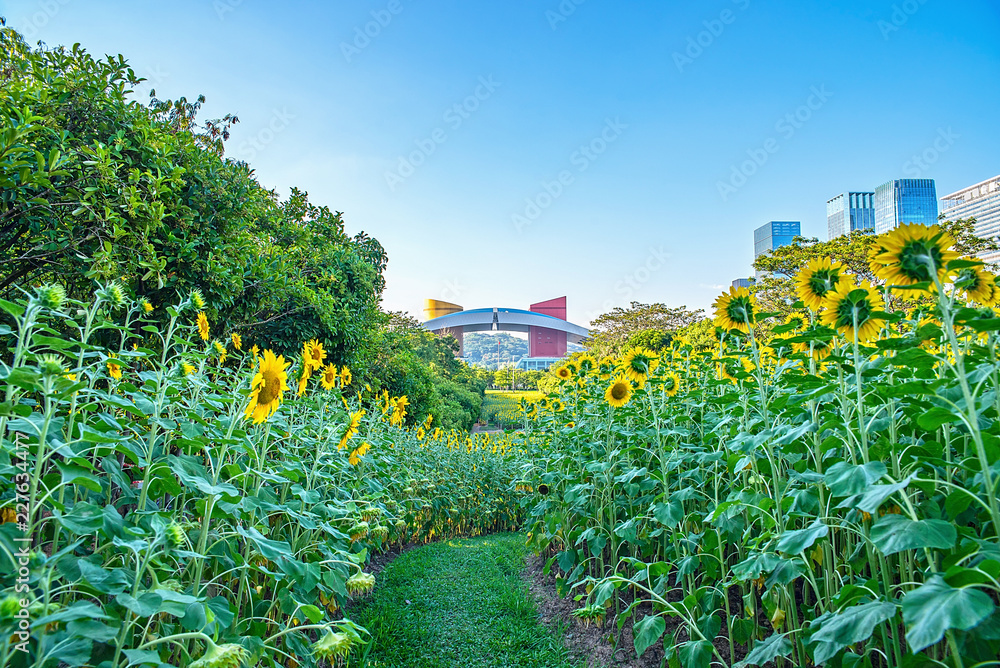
<point>916,257</point>
<point>740,311</point>
<point>853,313</point>
<point>823,281</point>
<point>269,391</point>
<point>619,391</point>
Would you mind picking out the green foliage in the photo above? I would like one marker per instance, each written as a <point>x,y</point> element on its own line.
<point>164,528</point>
<point>98,187</point>
<point>613,331</point>
<point>651,339</point>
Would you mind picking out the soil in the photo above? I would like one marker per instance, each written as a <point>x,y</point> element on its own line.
<point>606,646</point>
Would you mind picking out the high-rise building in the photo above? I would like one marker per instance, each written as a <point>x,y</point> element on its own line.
<point>848,212</point>
<point>774,235</point>
<point>743,283</point>
<point>982,202</point>
<point>905,201</point>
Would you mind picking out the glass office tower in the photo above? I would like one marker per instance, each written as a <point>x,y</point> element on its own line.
<point>982,202</point>
<point>848,212</point>
<point>905,201</point>
<point>775,234</point>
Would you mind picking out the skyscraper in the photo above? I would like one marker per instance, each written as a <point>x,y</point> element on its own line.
<point>774,235</point>
<point>848,212</point>
<point>982,202</point>
<point>905,201</point>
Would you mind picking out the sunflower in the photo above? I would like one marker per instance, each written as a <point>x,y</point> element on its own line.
<point>530,411</point>
<point>237,341</point>
<point>352,427</point>
<point>114,370</point>
<point>146,306</point>
<point>267,387</point>
<point>735,310</point>
<point>399,405</point>
<point>586,363</point>
<point>304,375</point>
<point>355,457</point>
<point>638,363</point>
<point>671,384</point>
<point>850,309</point>
<point>564,372</point>
<point>203,326</point>
<point>978,285</point>
<point>821,348</point>
<point>619,392</point>
<point>314,354</point>
<point>345,377</point>
<point>914,254</point>
<point>188,368</point>
<point>726,368</point>
<point>816,279</point>
<point>255,350</point>
<point>557,406</point>
<point>329,377</point>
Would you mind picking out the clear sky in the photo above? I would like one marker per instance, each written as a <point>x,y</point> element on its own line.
<point>593,147</point>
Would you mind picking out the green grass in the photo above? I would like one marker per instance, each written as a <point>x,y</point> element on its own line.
<point>468,608</point>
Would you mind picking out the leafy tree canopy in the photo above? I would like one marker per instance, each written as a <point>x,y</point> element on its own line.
<point>613,330</point>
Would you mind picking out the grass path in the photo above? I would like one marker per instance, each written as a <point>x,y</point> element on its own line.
<point>459,603</point>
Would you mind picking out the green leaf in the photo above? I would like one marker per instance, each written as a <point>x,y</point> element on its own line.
<point>668,514</point>
<point>647,631</point>
<point>895,533</point>
<point>796,542</point>
<point>934,607</point>
<point>695,654</point>
<point>834,632</point>
<point>935,417</point>
<point>845,479</point>
<point>767,651</point>
<point>77,475</point>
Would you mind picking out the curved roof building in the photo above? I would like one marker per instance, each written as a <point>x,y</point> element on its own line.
<point>545,323</point>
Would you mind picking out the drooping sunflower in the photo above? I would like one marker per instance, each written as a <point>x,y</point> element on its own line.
<point>735,310</point>
<point>114,370</point>
<point>638,363</point>
<point>305,373</point>
<point>345,377</point>
<point>267,387</point>
<point>237,341</point>
<point>978,285</point>
<point>355,457</point>
<point>914,254</point>
<point>671,384</point>
<point>329,377</point>
<point>851,309</point>
<point>816,279</point>
<point>188,368</point>
<point>203,326</point>
<point>586,363</point>
<point>619,392</point>
<point>821,347</point>
<point>352,428</point>
<point>399,405</point>
<point>313,354</point>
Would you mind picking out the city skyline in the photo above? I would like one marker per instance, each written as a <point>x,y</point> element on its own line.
<point>523,135</point>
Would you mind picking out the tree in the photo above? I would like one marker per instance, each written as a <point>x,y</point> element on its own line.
<point>776,293</point>
<point>613,330</point>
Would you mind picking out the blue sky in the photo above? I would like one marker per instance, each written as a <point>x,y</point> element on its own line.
<point>593,146</point>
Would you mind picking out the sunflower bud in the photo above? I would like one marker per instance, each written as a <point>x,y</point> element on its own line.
<point>176,534</point>
<point>360,584</point>
<point>114,294</point>
<point>51,365</point>
<point>229,655</point>
<point>51,296</point>
<point>9,607</point>
<point>333,647</point>
<point>197,299</point>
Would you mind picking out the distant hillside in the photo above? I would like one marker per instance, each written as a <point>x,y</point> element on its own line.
<point>481,349</point>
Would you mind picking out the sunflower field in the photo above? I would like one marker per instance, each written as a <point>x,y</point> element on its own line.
<point>815,491</point>
<point>178,500</point>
